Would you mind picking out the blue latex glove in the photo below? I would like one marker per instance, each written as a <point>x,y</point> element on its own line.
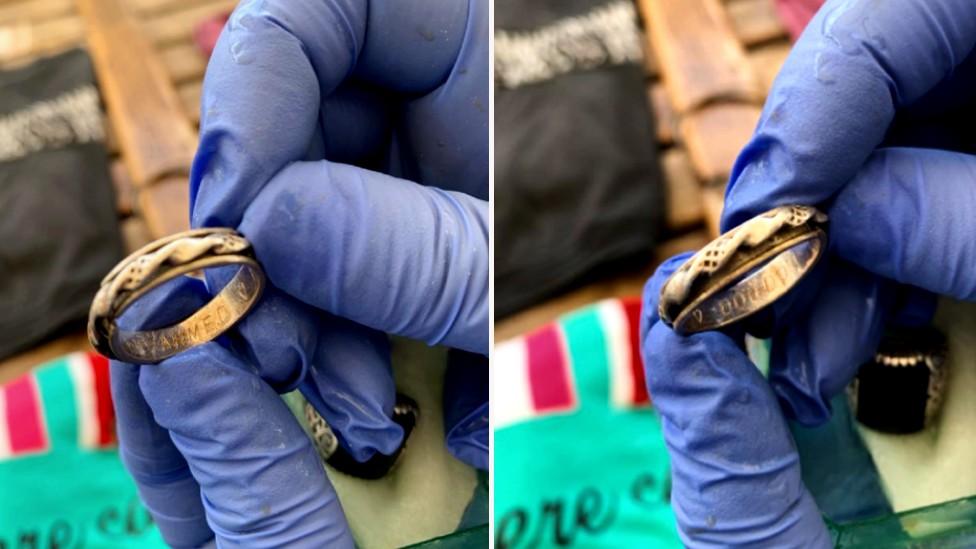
<point>348,141</point>
<point>866,121</point>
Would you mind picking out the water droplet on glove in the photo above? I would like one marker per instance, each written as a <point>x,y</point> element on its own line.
<point>240,53</point>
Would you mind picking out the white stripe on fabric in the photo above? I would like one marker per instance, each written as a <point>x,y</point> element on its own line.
<point>616,330</point>
<point>80,370</point>
<point>512,397</point>
<point>605,36</point>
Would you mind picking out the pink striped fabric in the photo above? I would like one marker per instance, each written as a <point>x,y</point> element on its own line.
<point>795,14</point>
<point>534,374</point>
<point>22,415</point>
<point>549,371</point>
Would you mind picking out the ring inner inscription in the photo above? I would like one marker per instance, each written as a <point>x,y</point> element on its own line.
<point>204,325</point>
<point>756,290</point>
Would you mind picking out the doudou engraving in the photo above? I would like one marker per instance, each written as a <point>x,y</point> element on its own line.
<point>738,274</point>
<point>754,292</point>
<point>776,277</point>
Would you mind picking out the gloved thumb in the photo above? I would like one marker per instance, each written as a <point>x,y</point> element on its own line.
<point>735,469</point>
<point>908,216</point>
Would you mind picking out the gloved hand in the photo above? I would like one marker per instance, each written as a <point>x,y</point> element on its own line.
<point>348,141</point>
<point>865,120</point>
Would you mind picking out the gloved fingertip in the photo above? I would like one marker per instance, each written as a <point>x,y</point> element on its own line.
<point>818,353</point>
<point>735,470</point>
<point>466,407</point>
<point>344,239</point>
<point>686,373</point>
<point>652,289</point>
<point>913,307</point>
<point>856,65</point>
<point>350,383</point>
<point>899,219</point>
<point>279,335</point>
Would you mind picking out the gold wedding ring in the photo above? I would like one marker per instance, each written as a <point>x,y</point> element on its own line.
<point>161,261</point>
<point>743,270</point>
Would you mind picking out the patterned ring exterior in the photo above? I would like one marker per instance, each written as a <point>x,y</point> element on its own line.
<point>159,262</point>
<point>743,270</point>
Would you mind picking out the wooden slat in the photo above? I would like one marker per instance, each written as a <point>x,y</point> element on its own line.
<point>699,56</point>
<point>183,62</point>
<point>684,206</point>
<point>22,41</point>
<point>755,21</point>
<point>767,60</point>
<point>135,234</point>
<point>155,138</point>
<point>664,116</point>
<point>190,98</point>
<point>125,191</point>
<point>111,140</point>
<point>713,199</point>
<point>157,7</point>
<point>35,10</point>
<point>714,136</point>
<point>178,26</point>
<point>650,60</point>
<point>687,242</point>
<point>165,206</point>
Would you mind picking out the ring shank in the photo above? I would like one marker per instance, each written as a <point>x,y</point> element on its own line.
<point>233,301</point>
<point>776,272</point>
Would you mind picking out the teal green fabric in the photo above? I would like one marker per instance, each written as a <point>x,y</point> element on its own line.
<point>69,496</point>
<point>595,477</point>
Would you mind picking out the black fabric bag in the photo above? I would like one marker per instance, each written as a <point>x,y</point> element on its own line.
<point>59,233</point>
<point>577,180</point>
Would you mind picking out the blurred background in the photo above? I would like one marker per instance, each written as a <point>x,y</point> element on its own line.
<point>689,86</point>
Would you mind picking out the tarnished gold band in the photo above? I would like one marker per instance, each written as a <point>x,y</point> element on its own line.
<point>159,262</point>
<point>744,270</point>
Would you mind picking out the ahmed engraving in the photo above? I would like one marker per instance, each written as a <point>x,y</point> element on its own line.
<point>159,262</point>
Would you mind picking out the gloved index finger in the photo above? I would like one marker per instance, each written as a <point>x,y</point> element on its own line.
<point>854,66</point>
<point>261,96</point>
<point>274,63</point>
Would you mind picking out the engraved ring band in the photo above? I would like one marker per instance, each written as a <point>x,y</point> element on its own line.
<point>744,270</point>
<point>162,261</point>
